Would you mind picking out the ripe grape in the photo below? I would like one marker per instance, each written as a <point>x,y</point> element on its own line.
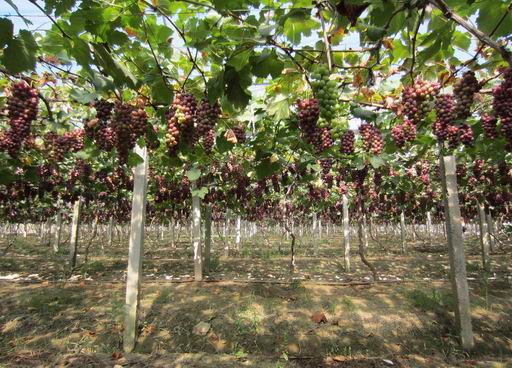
<point>489,126</point>
<point>464,92</point>
<point>417,100</point>
<point>348,142</point>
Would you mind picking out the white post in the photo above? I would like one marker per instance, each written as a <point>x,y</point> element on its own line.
<point>136,250</point>
<point>75,225</point>
<point>196,236</point>
<point>484,236</point>
<point>429,226</point>
<point>110,231</point>
<point>172,225</point>
<point>346,233</point>
<point>492,232</point>
<point>238,231</point>
<point>402,231</point>
<point>207,236</point>
<point>365,232</point>
<point>58,227</point>
<point>456,251</point>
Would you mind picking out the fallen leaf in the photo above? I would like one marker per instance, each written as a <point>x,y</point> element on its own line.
<point>319,317</point>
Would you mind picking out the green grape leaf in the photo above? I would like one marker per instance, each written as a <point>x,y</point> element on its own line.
<point>364,114</point>
<point>6,31</point>
<point>20,54</point>
<point>266,168</point>
<point>193,174</point>
<point>266,64</point>
<point>199,192</point>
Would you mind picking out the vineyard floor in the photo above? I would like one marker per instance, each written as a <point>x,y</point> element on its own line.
<point>78,323</point>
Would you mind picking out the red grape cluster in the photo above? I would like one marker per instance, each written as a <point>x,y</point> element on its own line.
<point>502,104</point>
<point>452,134</point>
<point>75,140</point>
<point>121,125</point>
<point>422,171</point>
<point>445,114</point>
<point>105,136</point>
<point>416,100</point>
<point>56,146</point>
<point>372,138</point>
<point>348,142</point>
<point>22,103</point>
<point>464,92</point>
<point>207,116</point>
<point>239,131</point>
<point>403,133</point>
<point>180,121</point>
<point>275,183</point>
<point>81,171</point>
<point>309,112</point>
<point>489,126</point>
<point>466,134</point>
<point>325,139</point>
<point>103,109</point>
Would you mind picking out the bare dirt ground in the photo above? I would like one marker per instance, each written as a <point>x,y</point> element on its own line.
<point>52,322</point>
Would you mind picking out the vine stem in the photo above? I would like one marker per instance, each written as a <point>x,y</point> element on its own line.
<point>482,37</point>
<point>326,39</point>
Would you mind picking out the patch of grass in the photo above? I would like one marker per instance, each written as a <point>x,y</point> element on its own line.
<point>49,301</point>
<point>425,302</point>
<point>348,303</point>
<point>93,268</point>
<point>215,264</point>
<point>473,267</point>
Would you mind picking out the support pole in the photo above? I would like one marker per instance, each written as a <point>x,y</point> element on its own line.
<point>492,232</point>
<point>429,226</point>
<point>207,237</point>
<point>402,231</point>
<point>456,251</point>
<point>484,236</point>
<point>58,228</point>
<point>238,231</point>
<point>365,232</point>
<point>346,233</point>
<point>110,231</point>
<point>196,236</point>
<point>136,250</point>
<point>75,225</point>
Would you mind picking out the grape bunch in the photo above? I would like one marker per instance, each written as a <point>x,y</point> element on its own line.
<point>348,142</point>
<point>326,92</point>
<point>180,121</point>
<point>105,136</point>
<point>56,146</point>
<point>239,131</point>
<point>372,138</point>
<point>489,126</point>
<point>308,114</point>
<point>207,116</point>
<point>275,183</point>
<point>464,92</point>
<point>22,103</point>
<point>417,99</point>
<point>403,133</point>
<point>103,109</point>
<point>502,105</point>
<point>325,139</point>
<point>466,134</point>
<point>122,128</point>
<point>452,135</point>
<point>445,115</point>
